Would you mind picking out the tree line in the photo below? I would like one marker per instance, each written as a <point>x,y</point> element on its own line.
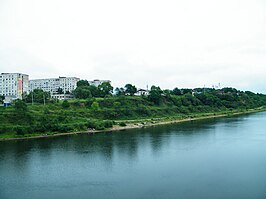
<point>99,107</point>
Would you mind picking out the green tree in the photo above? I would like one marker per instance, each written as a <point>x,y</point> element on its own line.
<point>95,106</point>
<point>229,90</point>
<point>186,90</point>
<point>119,91</point>
<point>116,104</point>
<point>60,91</point>
<point>20,106</point>
<point>94,91</point>
<point>82,92</point>
<point>24,96</point>
<point>21,113</point>
<point>65,104</point>
<point>82,83</point>
<point>207,99</point>
<point>2,97</point>
<point>105,89</point>
<point>167,93</point>
<point>130,89</point>
<point>38,95</point>
<point>177,91</point>
<point>155,95</point>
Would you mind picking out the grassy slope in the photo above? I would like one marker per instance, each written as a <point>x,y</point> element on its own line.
<point>53,118</point>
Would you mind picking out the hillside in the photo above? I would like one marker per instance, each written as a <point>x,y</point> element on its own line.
<point>24,119</point>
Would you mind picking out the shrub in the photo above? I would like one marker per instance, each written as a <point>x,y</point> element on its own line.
<point>91,124</point>
<point>6,129</point>
<point>108,124</point>
<point>22,130</point>
<point>65,104</point>
<point>95,106</point>
<point>65,128</point>
<point>99,126</point>
<point>122,124</point>
<point>89,102</point>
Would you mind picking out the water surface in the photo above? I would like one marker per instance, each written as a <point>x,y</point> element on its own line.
<point>218,158</point>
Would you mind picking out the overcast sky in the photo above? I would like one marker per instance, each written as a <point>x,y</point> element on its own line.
<point>171,43</point>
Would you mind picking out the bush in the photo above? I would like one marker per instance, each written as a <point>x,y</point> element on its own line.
<point>65,104</point>
<point>6,129</point>
<point>20,106</point>
<point>91,124</point>
<point>122,124</point>
<point>22,130</point>
<point>99,125</point>
<point>65,128</point>
<point>89,102</point>
<point>95,106</point>
<point>80,126</point>
<point>108,124</point>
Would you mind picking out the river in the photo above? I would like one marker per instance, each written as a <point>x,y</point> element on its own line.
<point>214,158</point>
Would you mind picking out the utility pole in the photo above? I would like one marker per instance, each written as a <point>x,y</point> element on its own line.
<point>31,98</point>
<point>44,99</point>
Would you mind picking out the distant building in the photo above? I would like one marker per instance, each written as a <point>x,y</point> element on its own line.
<point>8,101</point>
<point>141,92</point>
<point>62,96</point>
<point>98,82</point>
<point>13,85</point>
<point>195,91</point>
<point>57,87</point>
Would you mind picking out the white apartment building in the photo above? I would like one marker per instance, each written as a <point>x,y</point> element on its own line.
<point>13,85</point>
<point>98,82</point>
<point>52,85</point>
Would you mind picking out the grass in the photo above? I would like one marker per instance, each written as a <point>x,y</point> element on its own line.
<point>144,121</point>
<point>54,118</point>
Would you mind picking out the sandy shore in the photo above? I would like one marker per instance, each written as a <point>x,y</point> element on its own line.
<point>137,125</point>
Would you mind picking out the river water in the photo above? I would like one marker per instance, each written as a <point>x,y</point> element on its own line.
<point>217,158</point>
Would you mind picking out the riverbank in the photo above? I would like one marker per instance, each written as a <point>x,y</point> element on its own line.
<point>144,123</point>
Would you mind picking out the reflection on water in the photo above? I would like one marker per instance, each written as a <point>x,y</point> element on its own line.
<point>200,159</point>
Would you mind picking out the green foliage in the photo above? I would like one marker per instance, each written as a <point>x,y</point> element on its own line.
<point>95,106</point>
<point>20,115</point>
<point>108,124</point>
<point>60,91</point>
<point>177,91</point>
<point>229,90</point>
<point>99,125</point>
<point>22,130</point>
<point>99,112</point>
<point>82,83</point>
<point>122,124</point>
<point>105,89</point>
<point>82,92</point>
<point>2,99</point>
<point>38,95</point>
<point>120,91</point>
<point>155,95</point>
<point>65,104</point>
<point>6,129</point>
<point>94,91</point>
<point>20,106</point>
<point>117,104</point>
<point>89,102</point>
<point>130,89</point>
<point>85,91</point>
<point>186,90</point>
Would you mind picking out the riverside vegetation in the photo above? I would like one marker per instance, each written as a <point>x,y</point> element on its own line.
<point>95,108</point>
